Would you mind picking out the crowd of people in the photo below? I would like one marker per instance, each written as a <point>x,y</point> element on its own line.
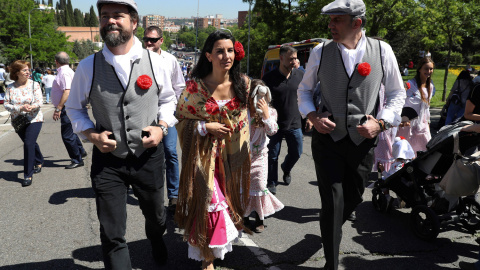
<point>230,128</point>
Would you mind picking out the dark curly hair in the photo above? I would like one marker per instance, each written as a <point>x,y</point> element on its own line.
<point>204,67</point>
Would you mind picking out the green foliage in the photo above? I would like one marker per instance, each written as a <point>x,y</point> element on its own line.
<point>476,59</point>
<point>456,58</point>
<point>83,49</point>
<point>139,33</point>
<point>69,19</point>
<point>93,18</point>
<point>77,14</point>
<point>46,41</point>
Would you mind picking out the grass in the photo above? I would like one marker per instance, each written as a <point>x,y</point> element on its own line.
<point>437,78</point>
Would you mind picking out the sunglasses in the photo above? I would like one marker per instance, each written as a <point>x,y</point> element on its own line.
<point>152,40</point>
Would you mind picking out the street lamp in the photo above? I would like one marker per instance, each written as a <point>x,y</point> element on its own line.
<point>196,34</point>
<point>248,47</point>
<point>30,32</point>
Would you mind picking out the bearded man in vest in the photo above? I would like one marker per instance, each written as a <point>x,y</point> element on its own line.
<point>350,70</point>
<point>133,103</point>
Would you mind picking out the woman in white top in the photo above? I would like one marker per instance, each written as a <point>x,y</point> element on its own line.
<point>417,131</point>
<point>48,81</point>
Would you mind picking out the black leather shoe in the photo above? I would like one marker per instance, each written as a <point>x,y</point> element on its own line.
<point>172,204</point>
<point>27,182</point>
<point>272,189</point>
<point>74,165</point>
<point>159,252</point>
<point>84,155</point>
<point>37,169</point>
<point>352,217</point>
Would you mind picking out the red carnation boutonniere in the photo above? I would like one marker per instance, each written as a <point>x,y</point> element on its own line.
<point>239,52</point>
<point>364,69</point>
<point>408,85</point>
<point>144,82</point>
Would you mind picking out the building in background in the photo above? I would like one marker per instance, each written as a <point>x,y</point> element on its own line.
<point>75,33</point>
<point>242,17</point>
<point>157,20</point>
<point>203,23</point>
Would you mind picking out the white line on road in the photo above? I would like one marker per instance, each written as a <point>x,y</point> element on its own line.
<point>257,251</point>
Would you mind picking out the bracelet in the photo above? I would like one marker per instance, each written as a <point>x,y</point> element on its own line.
<point>382,125</point>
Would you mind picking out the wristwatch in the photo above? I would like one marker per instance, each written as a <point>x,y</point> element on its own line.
<point>57,110</point>
<point>164,129</point>
<point>384,125</point>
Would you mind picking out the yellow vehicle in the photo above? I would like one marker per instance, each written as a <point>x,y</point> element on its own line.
<point>272,59</point>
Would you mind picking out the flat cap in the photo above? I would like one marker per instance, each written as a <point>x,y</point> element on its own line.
<point>130,3</point>
<point>345,7</point>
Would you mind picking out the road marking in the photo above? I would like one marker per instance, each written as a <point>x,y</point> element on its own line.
<point>258,252</point>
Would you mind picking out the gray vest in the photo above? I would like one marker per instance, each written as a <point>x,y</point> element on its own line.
<point>125,112</point>
<point>349,99</point>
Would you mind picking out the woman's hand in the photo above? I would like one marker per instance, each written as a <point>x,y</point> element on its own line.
<point>218,130</point>
<point>262,105</point>
<point>26,108</point>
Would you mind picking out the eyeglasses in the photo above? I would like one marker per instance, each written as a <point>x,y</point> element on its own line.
<point>25,70</point>
<point>152,40</point>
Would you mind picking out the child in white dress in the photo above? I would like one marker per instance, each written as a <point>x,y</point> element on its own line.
<point>261,201</point>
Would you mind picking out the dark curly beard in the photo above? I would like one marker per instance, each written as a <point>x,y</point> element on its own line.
<point>112,39</point>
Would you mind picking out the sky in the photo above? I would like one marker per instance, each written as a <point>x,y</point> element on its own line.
<point>179,8</point>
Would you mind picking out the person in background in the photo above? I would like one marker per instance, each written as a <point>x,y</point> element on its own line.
<point>298,65</point>
<point>48,82</point>
<point>37,76</point>
<point>458,96</point>
<point>2,78</point>
<point>153,39</point>
<point>24,97</point>
<point>283,83</point>
<point>417,131</point>
<point>133,105</point>
<point>60,91</point>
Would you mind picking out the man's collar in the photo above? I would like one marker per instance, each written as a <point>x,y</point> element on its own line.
<point>359,43</point>
<point>135,52</point>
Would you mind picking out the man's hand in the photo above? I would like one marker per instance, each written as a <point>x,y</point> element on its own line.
<point>321,122</point>
<point>56,115</point>
<point>156,136</point>
<point>101,140</point>
<point>370,129</point>
<point>308,125</point>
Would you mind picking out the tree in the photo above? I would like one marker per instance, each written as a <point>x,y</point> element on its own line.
<point>77,14</point>
<point>448,23</point>
<point>93,18</point>
<point>46,41</point>
<point>83,49</point>
<point>69,17</point>
<point>50,3</point>
<point>139,33</point>
<point>86,19</point>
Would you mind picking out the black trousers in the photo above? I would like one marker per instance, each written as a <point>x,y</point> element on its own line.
<point>111,177</point>
<point>342,171</point>
<point>70,139</point>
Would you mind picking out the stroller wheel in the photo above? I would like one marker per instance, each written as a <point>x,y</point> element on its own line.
<point>471,214</point>
<point>425,222</point>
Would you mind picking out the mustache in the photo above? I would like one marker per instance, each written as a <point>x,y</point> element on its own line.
<point>112,27</point>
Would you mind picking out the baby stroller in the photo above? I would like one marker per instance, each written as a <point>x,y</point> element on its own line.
<point>416,186</point>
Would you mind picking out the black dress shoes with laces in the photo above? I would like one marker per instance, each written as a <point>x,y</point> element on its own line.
<point>27,182</point>
<point>74,165</point>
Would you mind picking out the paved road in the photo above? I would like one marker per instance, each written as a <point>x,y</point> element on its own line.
<point>52,224</point>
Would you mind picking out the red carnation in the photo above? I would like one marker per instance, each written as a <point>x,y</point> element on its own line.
<point>408,85</point>
<point>212,107</point>
<point>402,138</point>
<point>192,87</point>
<point>191,109</point>
<point>364,69</point>
<point>239,52</point>
<point>144,82</point>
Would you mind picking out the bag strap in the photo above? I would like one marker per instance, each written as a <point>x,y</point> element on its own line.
<point>456,144</point>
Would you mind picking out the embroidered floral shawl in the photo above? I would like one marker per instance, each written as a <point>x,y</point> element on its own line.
<point>199,154</point>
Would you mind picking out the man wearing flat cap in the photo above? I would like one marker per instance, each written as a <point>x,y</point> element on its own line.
<point>133,103</point>
<point>350,70</point>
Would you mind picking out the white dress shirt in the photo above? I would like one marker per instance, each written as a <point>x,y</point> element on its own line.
<point>394,89</point>
<point>82,82</point>
<point>174,69</point>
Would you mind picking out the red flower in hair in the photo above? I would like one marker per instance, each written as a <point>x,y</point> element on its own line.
<point>239,52</point>
<point>364,69</point>
<point>192,87</point>
<point>144,82</point>
<point>402,138</point>
<point>191,109</point>
<point>408,85</point>
<point>212,107</point>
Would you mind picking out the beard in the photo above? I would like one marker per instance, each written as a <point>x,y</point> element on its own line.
<point>112,39</point>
